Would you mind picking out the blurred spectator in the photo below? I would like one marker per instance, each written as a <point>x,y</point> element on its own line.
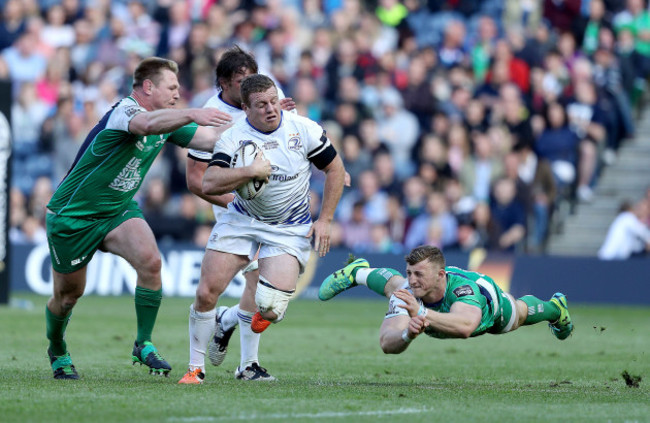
<point>56,32</point>
<point>22,63</point>
<point>481,169</point>
<point>627,235</point>
<point>374,200</point>
<point>509,215</point>
<point>590,26</point>
<point>481,231</point>
<point>562,13</point>
<point>587,121</point>
<point>400,130</point>
<point>13,23</point>
<point>356,230</point>
<point>559,145</point>
<point>355,158</point>
<point>437,226</point>
<point>384,167</point>
<point>27,115</point>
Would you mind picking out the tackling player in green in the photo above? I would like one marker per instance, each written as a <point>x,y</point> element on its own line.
<point>93,207</point>
<point>444,301</point>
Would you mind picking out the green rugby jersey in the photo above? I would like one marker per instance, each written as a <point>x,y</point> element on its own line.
<point>465,286</point>
<point>111,164</point>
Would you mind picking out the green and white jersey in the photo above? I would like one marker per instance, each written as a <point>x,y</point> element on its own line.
<point>111,164</point>
<point>465,286</point>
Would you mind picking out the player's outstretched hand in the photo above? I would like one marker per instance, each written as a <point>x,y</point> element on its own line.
<point>210,116</point>
<point>261,168</point>
<point>417,325</point>
<point>287,104</point>
<point>412,305</point>
<point>321,232</point>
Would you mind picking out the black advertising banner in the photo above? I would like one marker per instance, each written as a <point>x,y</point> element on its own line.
<point>5,186</point>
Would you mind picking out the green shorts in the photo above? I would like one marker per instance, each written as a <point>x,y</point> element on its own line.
<point>73,241</point>
<point>506,315</point>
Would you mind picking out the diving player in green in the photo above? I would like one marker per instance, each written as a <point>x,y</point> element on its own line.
<point>444,301</point>
<point>93,207</point>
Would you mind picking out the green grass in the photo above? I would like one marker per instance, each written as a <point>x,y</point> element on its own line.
<point>330,368</point>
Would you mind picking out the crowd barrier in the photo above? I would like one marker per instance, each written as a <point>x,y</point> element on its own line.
<point>583,280</point>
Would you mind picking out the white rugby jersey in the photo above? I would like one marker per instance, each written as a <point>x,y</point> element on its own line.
<point>205,156</point>
<point>291,149</point>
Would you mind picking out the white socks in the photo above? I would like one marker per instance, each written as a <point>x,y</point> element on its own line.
<point>229,318</point>
<point>362,276</point>
<point>201,329</point>
<point>249,340</point>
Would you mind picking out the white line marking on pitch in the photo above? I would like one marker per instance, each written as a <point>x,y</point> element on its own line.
<point>284,416</point>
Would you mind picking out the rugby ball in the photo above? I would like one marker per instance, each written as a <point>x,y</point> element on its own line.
<point>243,157</point>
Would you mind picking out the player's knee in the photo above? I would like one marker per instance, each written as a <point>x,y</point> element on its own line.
<point>69,300</point>
<point>207,296</point>
<point>151,265</point>
<point>271,302</point>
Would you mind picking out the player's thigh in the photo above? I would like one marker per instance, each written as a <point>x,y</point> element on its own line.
<point>281,271</point>
<point>134,241</point>
<point>522,313</point>
<point>218,268</point>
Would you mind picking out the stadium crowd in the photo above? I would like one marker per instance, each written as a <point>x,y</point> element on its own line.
<point>463,124</point>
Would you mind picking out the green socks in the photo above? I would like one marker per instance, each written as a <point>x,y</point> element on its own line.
<point>147,303</point>
<point>539,310</point>
<point>55,331</point>
<point>375,279</point>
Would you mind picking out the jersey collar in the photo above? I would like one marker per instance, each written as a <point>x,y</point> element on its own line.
<point>225,102</point>
<point>270,132</point>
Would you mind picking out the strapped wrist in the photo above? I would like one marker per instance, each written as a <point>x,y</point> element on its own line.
<point>405,336</point>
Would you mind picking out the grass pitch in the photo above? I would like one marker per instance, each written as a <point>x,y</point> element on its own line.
<point>330,368</point>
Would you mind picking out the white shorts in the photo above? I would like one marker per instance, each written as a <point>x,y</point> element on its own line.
<point>235,233</point>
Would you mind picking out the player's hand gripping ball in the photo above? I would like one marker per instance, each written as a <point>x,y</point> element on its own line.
<point>243,157</point>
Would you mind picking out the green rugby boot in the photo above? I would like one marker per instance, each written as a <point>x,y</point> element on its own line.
<point>148,355</point>
<point>341,280</point>
<point>62,366</point>
<point>563,326</point>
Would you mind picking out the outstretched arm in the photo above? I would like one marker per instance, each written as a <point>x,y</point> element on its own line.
<point>460,322</point>
<point>397,332</point>
<point>167,120</point>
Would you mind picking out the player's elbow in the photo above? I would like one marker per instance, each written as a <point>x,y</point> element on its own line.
<point>465,331</point>
<point>386,346</point>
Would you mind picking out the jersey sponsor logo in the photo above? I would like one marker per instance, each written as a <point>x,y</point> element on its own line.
<point>463,290</point>
<point>274,168</point>
<point>284,178</point>
<point>241,142</point>
<point>77,261</point>
<point>270,145</point>
<point>294,142</point>
<point>129,177</point>
<point>131,110</point>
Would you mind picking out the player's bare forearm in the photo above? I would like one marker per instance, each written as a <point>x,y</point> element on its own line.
<point>219,181</point>
<point>333,189</point>
<point>391,335</point>
<point>194,171</point>
<point>460,322</point>
<point>167,120</point>
<point>206,136</point>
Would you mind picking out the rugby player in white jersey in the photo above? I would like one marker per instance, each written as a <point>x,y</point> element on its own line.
<point>234,65</point>
<point>277,221</point>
